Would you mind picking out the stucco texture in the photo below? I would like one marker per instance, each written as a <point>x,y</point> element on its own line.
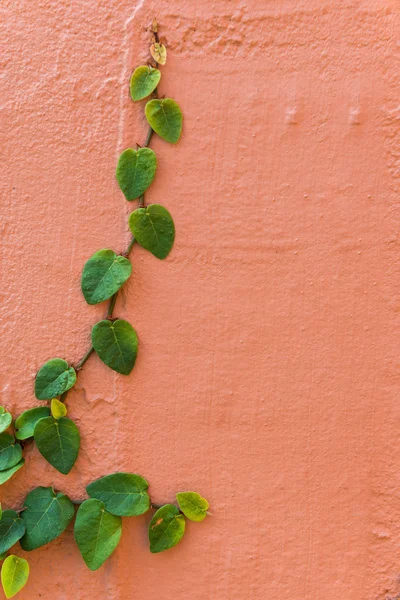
<point>267,376</point>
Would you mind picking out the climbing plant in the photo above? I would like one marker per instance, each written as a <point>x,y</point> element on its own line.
<point>46,513</point>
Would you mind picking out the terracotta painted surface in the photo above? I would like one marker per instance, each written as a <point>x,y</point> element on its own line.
<point>267,376</point>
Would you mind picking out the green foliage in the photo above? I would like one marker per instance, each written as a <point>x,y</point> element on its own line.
<point>25,424</point>
<point>5,419</point>
<point>116,344</point>
<point>14,575</point>
<point>8,473</point>
<point>58,409</point>
<point>135,172</point>
<point>165,118</point>
<point>154,229</point>
<point>12,528</point>
<point>53,379</point>
<point>144,81</point>
<point>166,528</point>
<point>58,441</point>
<point>97,532</point>
<point>103,275</point>
<point>123,494</point>
<point>46,516</point>
<point>10,452</point>
<point>193,506</point>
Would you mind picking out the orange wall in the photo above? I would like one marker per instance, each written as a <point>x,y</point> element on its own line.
<point>266,378</point>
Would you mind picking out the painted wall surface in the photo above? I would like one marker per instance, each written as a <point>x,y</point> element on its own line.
<point>267,377</point>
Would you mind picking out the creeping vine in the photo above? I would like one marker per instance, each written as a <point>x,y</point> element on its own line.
<point>46,513</point>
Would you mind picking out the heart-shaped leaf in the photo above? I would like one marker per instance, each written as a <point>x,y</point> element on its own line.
<point>53,379</point>
<point>58,409</point>
<point>97,532</point>
<point>144,81</point>
<point>136,170</point>
<point>193,506</point>
<point>166,528</point>
<point>159,53</point>
<point>154,229</point>
<point>123,494</point>
<point>5,419</point>
<point>25,424</point>
<point>46,516</point>
<point>116,344</point>
<point>103,275</point>
<point>165,118</point>
<point>6,475</point>
<point>14,575</point>
<point>10,452</point>
<point>58,441</point>
<point>12,528</point>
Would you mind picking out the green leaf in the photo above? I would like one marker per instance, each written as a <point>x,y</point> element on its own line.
<point>12,528</point>
<point>3,556</point>
<point>14,575</point>
<point>165,117</point>
<point>6,475</point>
<point>25,424</point>
<point>166,528</point>
<point>144,81</point>
<point>136,170</point>
<point>58,409</point>
<point>10,452</point>
<point>103,275</point>
<point>97,532</point>
<point>193,506</point>
<point>58,441</point>
<point>153,229</point>
<point>53,379</point>
<point>123,494</point>
<point>46,516</point>
<point>116,343</point>
<point>5,419</point>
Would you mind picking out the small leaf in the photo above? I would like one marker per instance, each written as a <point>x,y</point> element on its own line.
<point>166,528</point>
<point>12,528</point>
<point>5,419</point>
<point>136,170</point>
<point>159,53</point>
<point>103,275</point>
<point>193,506</point>
<point>6,475</point>
<point>144,81</point>
<point>53,379</point>
<point>58,409</point>
<point>123,494</point>
<point>46,516</point>
<point>25,424</point>
<point>14,575</point>
<point>10,452</point>
<point>97,532</point>
<point>116,344</point>
<point>58,441</point>
<point>154,229</point>
<point>165,117</point>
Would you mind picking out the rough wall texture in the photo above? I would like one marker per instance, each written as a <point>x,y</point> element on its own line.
<point>267,369</point>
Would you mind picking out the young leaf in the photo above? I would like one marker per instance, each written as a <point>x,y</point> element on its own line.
<point>165,117</point>
<point>166,528</point>
<point>14,575</point>
<point>103,275</point>
<point>5,419</point>
<point>46,516</point>
<point>58,441</point>
<point>25,424</point>
<point>97,532</point>
<point>10,452</point>
<point>136,170</point>
<point>58,409</point>
<point>53,379</point>
<point>193,506</point>
<point>159,53</point>
<point>123,494</point>
<point>153,229</point>
<point>144,81</point>
<point>6,475</point>
<point>116,344</point>
<point>12,528</point>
